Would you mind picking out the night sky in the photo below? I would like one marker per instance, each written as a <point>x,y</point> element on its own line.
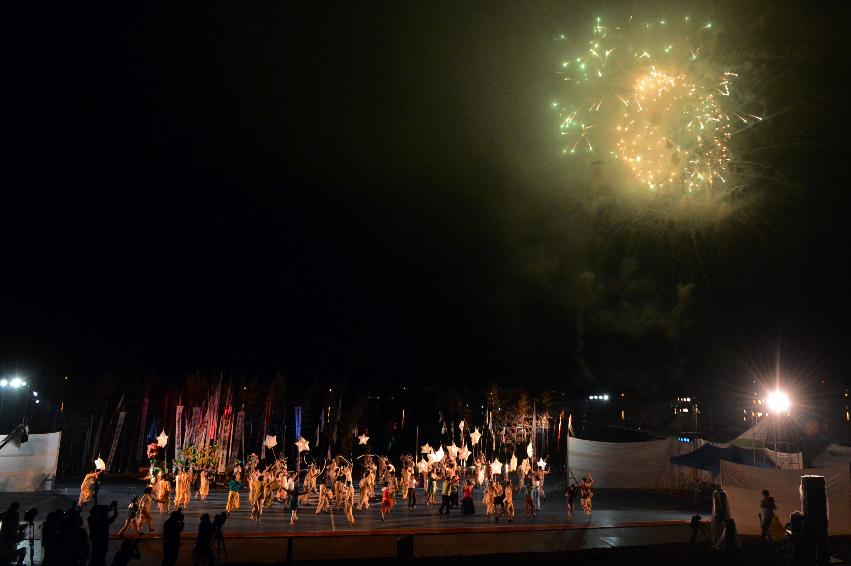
<point>375,192</point>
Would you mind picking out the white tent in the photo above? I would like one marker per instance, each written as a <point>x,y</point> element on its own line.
<point>833,455</point>
<point>744,485</point>
<point>32,467</point>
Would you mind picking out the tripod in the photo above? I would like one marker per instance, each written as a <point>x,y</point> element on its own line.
<point>220,546</point>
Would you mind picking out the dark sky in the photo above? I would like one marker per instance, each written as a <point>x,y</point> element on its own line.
<point>372,192</point>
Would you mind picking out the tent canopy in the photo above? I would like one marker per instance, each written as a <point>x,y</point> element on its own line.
<point>708,457</point>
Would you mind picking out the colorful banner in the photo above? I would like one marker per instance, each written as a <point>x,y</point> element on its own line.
<point>178,431</point>
<point>119,425</point>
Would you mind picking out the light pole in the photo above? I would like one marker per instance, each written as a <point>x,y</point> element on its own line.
<point>778,402</point>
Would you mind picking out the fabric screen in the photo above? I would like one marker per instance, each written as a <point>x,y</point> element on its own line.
<point>32,467</point>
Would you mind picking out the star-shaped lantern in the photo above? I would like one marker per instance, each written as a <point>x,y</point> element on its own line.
<point>271,441</point>
<point>496,467</point>
<point>435,457</point>
<point>512,464</point>
<point>452,450</point>
<point>541,463</point>
<point>363,439</point>
<point>303,445</point>
<point>422,466</point>
<point>524,466</point>
<point>100,464</point>
<point>530,450</point>
<point>463,454</point>
<point>426,449</point>
<point>475,435</point>
<point>162,439</point>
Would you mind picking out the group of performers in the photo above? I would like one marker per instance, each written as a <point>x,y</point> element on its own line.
<point>333,488</point>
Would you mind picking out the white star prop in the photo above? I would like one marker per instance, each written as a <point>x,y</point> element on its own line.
<point>162,439</point>
<point>303,445</point>
<point>435,457</point>
<point>426,449</point>
<point>541,463</point>
<point>363,439</point>
<point>453,451</point>
<point>463,454</point>
<point>422,466</point>
<point>512,464</point>
<point>496,467</point>
<point>270,442</point>
<point>475,436</point>
<point>100,464</point>
<point>461,426</point>
<point>530,450</point>
<point>524,466</point>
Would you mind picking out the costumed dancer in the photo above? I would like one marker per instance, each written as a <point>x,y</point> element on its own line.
<point>432,487</point>
<point>310,479</point>
<point>507,501</point>
<point>237,470</point>
<point>349,502</point>
<point>255,497</point>
<point>530,502</point>
<point>232,503</point>
<point>163,493</point>
<point>387,500</point>
<point>183,488</point>
<point>586,494</point>
<point>87,487</point>
<point>145,517</point>
<point>204,487</point>
<point>132,512</point>
<point>571,497</point>
<point>326,494</point>
<point>292,493</point>
<point>412,491</point>
<point>467,499</point>
<point>364,486</point>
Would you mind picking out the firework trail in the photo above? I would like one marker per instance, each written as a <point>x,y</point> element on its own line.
<point>650,98</point>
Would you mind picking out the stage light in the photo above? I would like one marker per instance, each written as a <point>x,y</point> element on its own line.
<point>605,397</point>
<point>4,382</point>
<point>35,393</point>
<point>17,382</point>
<point>778,401</point>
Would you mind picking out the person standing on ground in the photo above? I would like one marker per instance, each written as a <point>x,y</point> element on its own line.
<point>386,500</point>
<point>132,513</point>
<point>571,497</point>
<point>145,516</point>
<point>202,553</point>
<point>349,502</point>
<point>232,503</point>
<point>412,491</point>
<point>467,499</point>
<point>292,493</point>
<point>99,521</point>
<point>445,494</point>
<point>766,508</point>
<point>172,528</point>
<point>586,494</point>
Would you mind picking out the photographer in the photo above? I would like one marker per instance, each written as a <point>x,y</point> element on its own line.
<point>9,535</point>
<point>172,528</point>
<point>99,521</point>
<point>202,554</point>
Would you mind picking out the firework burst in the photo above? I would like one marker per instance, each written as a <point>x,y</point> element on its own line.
<point>649,98</point>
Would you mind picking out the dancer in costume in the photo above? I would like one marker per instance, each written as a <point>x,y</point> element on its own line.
<point>292,493</point>
<point>163,493</point>
<point>467,499</point>
<point>132,512</point>
<point>530,502</point>
<point>349,502</point>
<point>255,497</point>
<point>586,494</point>
<point>237,471</point>
<point>310,479</point>
<point>182,488</point>
<point>87,487</point>
<point>432,487</point>
<point>232,503</point>
<point>207,477</point>
<point>507,502</point>
<point>326,495</point>
<point>387,500</point>
<point>412,491</point>
<point>364,491</point>
<point>571,497</point>
<point>145,517</point>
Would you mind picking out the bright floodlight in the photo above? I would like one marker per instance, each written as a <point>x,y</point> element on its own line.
<point>778,401</point>
<point>16,382</point>
<point>605,397</point>
<point>4,382</point>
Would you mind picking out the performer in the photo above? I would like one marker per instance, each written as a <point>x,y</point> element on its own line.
<point>145,516</point>
<point>571,497</point>
<point>432,487</point>
<point>233,496</point>
<point>87,487</point>
<point>364,490</point>
<point>586,494</point>
<point>326,494</point>
<point>292,492</point>
<point>349,502</point>
<point>163,491</point>
<point>310,479</point>
<point>132,512</point>
<point>498,500</point>
<point>445,493</point>
<point>387,500</point>
<point>530,502</point>
<point>255,497</point>
<point>467,499</point>
<point>207,476</point>
<point>536,494</point>
<point>412,491</point>
<point>488,498</point>
<point>507,502</point>
<point>182,488</point>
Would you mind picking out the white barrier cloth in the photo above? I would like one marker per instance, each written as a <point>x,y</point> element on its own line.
<point>628,465</point>
<point>744,485</point>
<point>32,467</point>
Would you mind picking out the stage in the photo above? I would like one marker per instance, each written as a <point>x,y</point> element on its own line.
<point>620,518</point>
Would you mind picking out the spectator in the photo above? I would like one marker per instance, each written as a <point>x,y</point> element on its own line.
<point>99,521</point>
<point>9,550</point>
<point>202,554</point>
<point>172,528</point>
